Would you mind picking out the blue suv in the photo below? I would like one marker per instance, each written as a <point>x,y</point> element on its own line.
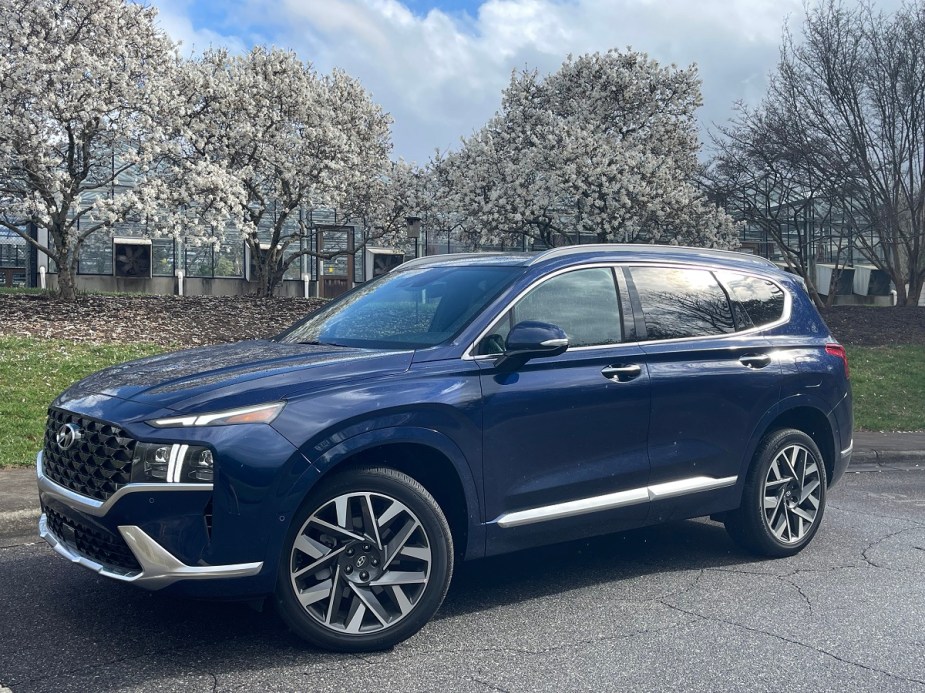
<point>460,406</point>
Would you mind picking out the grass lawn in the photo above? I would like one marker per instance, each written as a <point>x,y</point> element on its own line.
<point>889,387</point>
<point>32,373</point>
<point>888,382</point>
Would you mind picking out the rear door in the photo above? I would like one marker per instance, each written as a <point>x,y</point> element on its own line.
<point>713,377</point>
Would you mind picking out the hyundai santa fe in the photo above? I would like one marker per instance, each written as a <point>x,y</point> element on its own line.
<point>460,406</point>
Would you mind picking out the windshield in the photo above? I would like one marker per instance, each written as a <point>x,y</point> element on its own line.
<point>406,309</point>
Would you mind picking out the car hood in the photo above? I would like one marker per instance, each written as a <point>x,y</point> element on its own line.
<point>235,375</point>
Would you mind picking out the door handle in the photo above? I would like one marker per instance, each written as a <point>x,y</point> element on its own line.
<point>755,360</point>
<point>622,374</point>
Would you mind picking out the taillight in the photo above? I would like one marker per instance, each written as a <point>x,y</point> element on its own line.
<point>839,351</point>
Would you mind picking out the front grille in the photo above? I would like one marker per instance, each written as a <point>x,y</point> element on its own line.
<point>93,542</point>
<point>96,465</point>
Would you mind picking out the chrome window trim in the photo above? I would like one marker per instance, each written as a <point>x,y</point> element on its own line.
<point>468,355</point>
<point>784,319</point>
<point>159,567</point>
<point>609,501</point>
<point>97,508</point>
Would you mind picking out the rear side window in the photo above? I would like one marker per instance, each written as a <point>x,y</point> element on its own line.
<point>756,301</point>
<point>583,303</point>
<point>679,303</point>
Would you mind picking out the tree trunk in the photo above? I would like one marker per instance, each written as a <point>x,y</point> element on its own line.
<point>66,259</point>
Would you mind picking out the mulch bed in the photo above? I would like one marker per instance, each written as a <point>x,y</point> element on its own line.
<point>877,326</point>
<point>165,320</point>
<point>195,320</point>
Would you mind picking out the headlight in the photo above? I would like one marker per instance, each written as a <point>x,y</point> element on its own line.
<point>176,463</point>
<point>261,413</point>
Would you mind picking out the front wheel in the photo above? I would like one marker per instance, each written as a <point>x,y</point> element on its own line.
<point>784,496</point>
<point>367,562</point>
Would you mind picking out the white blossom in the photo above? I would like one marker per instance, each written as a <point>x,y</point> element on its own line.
<point>85,101</point>
<point>606,147</point>
<point>265,137</point>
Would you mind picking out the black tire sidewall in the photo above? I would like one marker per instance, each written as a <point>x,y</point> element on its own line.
<point>397,485</point>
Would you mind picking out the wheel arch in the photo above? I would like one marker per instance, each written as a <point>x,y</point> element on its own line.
<point>425,455</point>
<point>813,422</point>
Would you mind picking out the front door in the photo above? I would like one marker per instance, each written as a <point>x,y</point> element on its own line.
<point>565,437</point>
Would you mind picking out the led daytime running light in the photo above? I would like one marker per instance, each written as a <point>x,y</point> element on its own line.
<point>262,413</point>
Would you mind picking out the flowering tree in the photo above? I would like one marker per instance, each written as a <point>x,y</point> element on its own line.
<point>84,100</point>
<point>605,147</point>
<point>382,207</point>
<point>273,139</point>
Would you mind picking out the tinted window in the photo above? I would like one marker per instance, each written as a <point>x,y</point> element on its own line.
<point>405,309</point>
<point>583,303</point>
<point>756,301</point>
<point>679,303</point>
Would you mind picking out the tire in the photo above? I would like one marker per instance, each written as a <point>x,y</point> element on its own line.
<point>366,563</point>
<point>784,496</point>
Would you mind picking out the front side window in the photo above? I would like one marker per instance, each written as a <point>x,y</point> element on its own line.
<point>583,303</point>
<point>405,309</point>
<point>680,303</point>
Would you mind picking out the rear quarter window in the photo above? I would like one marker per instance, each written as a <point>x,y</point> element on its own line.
<point>756,301</point>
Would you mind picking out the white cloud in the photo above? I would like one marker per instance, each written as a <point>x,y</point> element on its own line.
<point>441,75</point>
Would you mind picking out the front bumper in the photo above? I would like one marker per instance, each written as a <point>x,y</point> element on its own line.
<point>158,567</point>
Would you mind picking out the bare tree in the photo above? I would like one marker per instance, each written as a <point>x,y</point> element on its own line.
<point>855,81</point>
<point>760,173</point>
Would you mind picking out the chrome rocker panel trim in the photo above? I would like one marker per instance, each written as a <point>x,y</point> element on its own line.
<point>610,501</point>
<point>98,508</point>
<point>846,453</point>
<point>159,567</point>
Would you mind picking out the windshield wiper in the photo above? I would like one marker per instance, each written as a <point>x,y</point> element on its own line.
<point>317,343</point>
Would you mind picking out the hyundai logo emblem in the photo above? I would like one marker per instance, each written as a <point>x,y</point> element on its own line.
<point>68,434</point>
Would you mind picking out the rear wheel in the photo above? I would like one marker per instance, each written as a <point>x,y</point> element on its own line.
<point>367,562</point>
<point>784,496</point>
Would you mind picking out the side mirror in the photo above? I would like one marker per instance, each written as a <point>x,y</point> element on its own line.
<point>529,340</point>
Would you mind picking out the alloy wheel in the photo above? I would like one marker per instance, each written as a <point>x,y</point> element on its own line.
<point>360,563</point>
<point>792,494</point>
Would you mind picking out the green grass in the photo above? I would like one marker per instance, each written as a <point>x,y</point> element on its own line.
<point>889,387</point>
<point>32,373</point>
<point>20,290</point>
<point>888,382</point>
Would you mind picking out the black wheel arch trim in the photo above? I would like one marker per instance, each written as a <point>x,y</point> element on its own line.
<point>297,489</point>
<point>767,423</point>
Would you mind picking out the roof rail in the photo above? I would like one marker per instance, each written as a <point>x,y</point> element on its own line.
<point>651,248</point>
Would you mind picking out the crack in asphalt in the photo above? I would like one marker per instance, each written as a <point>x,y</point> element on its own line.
<point>528,652</point>
<point>872,545</point>
<point>488,684</point>
<point>917,523</point>
<point>798,643</point>
<point>805,597</point>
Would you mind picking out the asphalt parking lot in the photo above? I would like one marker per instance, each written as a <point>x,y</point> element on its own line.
<point>675,607</point>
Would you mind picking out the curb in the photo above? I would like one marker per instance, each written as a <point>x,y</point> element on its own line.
<point>867,460</point>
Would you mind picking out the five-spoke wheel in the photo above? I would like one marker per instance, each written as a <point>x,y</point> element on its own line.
<point>784,496</point>
<point>367,563</point>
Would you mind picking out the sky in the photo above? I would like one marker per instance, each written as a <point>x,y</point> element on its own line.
<point>439,66</point>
